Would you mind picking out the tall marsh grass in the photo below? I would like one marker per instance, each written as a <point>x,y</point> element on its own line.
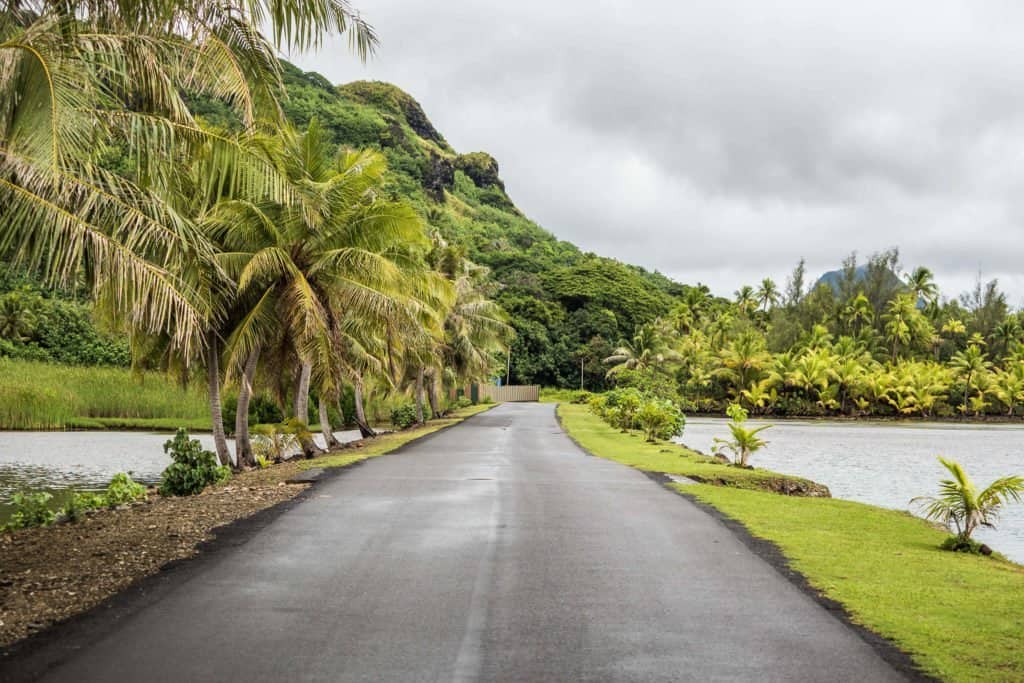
<point>49,396</point>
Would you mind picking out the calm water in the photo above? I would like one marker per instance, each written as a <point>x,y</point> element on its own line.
<point>85,461</point>
<point>888,464</point>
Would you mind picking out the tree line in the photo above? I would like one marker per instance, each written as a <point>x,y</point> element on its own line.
<point>256,254</point>
<point>866,340</point>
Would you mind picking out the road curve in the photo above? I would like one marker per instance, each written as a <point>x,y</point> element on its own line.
<point>496,550</point>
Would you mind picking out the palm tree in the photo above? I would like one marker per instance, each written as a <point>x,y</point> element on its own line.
<point>744,441</point>
<point>81,74</point>
<point>858,313</point>
<point>768,294</point>
<point>336,252</point>
<point>746,299</point>
<point>962,508</point>
<point>969,365</point>
<point>921,283</point>
<point>742,361</point>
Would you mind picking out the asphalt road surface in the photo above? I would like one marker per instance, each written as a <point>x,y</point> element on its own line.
<point>496,550</point>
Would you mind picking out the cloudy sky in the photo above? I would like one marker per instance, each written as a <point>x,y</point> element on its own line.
<point>721,140</point>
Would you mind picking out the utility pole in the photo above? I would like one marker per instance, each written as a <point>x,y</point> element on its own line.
<point>508,365</point>
<point>581,374</point>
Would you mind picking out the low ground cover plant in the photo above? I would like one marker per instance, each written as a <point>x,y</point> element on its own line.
<point>32,509</point>
<point>403,416</point>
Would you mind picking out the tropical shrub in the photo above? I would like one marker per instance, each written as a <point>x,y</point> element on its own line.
<point>744,442</point>
<point>660,419</point>
<point>122,489</point>
<point>403,415</point>
<point>462,402</point>
<point>193,468</point>
<point>276,442</point>
<point>30,509</point>
<point>961,508</point>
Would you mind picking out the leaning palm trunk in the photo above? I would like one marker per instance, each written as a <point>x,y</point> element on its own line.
<point>419,397</point>
<point>364,426</point>
<point>244,456</point>
<point>325,425</point>
<point>216,414</point>
<point>432,393</point>
<point>309,447</point>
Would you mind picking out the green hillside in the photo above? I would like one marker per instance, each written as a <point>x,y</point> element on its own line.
<point>566,305</point>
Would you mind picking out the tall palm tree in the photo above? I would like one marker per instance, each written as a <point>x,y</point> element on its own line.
<point>81,76</point>
<point>768,294</point>
<point>921,283</point>
<point>970,364</point>
<point>335,252</point>
<point>962,508</point>
<point>746,299</point>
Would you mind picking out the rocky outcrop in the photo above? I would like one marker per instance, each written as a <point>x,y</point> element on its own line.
<point>438,177</point>
<point>481,168</point>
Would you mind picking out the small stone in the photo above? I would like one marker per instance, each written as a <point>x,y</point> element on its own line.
<point>985,550</point>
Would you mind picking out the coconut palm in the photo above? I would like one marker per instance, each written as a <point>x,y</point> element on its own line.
<point>744,441</point>
<point>970,365</point>
<point>746,299</point>
<point>962,508</point>
<point>81,77</point>
<point>336,251</point>
<point>768,294</point>
<point>921,283</point>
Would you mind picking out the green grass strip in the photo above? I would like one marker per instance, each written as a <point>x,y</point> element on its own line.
<point>961,617</point>
<point>386,443</point>
<point>596,436</point>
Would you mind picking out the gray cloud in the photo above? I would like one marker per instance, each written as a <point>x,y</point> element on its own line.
<point>720,140</point>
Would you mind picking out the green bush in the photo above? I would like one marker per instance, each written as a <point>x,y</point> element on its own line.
<point>581,397</point>
<point>403,415</point>
<point>193,468</point>
<point>30,509</point>
<point>660,419</point>
<point>462,402</point>
<point>123,489</point>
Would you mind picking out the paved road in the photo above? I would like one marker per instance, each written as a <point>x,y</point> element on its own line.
<point>493,551</point>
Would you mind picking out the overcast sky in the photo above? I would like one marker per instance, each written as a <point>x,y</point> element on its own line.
<point>720,140</point>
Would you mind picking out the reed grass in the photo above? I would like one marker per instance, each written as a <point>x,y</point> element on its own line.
<point>49,396</point>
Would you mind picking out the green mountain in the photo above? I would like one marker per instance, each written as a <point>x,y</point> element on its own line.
<point>567,306</point>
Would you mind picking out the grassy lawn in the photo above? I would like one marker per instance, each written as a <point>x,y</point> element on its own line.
<point>961,617</point>
<point>387,443</point>
<point>596,436</point>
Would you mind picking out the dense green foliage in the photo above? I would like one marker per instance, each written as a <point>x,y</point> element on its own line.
<point>862,342</point>
<point>193,468</point>
<point>48,324</point>
<point>403,416</point>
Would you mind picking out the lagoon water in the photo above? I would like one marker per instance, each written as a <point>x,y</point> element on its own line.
<point>887,464</point>
<point>86,461</point>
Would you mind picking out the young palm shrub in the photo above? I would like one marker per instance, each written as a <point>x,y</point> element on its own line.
<point>962,508</point>
<point>745,442</point>
<point>278,442</point>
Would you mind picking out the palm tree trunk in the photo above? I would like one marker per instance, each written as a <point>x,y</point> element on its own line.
<point>309,447</point>
<point>364,426</point>
<point>213,388</point>
<point>243,446</point>
<point>419,396</point>
<point>325,425</point>
<point>432,393</point>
